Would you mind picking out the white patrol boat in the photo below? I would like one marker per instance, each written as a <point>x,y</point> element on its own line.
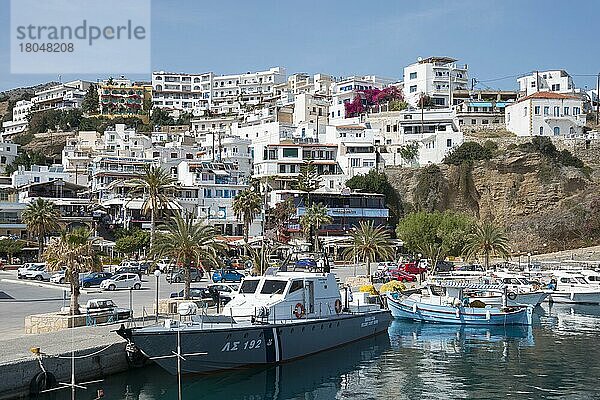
<point>290,312</point>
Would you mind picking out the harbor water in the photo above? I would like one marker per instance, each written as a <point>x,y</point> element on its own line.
<point>556,358</point>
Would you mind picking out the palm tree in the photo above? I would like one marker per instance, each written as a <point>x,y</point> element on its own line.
<point>369,242</point>
<point>246,206</point>
<point>308,180</point>
<point>41,218</point>
<point>187,242</point>
<point>73,251</point>
<point>155,184</point>
<point>316,216</point>
<point>487,239</point>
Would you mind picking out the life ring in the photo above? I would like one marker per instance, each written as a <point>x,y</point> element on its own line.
<point>299,310</point>
<point>511,295</point>
<point>338,306</point>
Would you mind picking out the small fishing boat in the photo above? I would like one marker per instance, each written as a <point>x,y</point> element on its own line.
<point>573,288</point>
<point>447,304</point>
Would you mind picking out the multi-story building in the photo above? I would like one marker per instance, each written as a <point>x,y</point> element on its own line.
<point>19,121</point>
<point>558,81</point>
<point>436,77</point>
<point>356,148</point>
<point>39,174</point>
<point>124,141</point>
<point>312,109</point>
<point>123,97</point>
<point>546,114</point>
<point>217,94</point>
<point>318,84</point>
<point>345,90</point>
<point>435,131</point>
<point>8,153</point>
<point>108,173</point>
<point>63,97</point>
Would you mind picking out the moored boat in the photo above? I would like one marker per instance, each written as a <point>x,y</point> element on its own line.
<point>289,313</point>
<point>573,288</point>
<point>448,305</point>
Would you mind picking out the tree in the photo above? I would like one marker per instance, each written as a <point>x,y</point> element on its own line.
<point>161,117</point>
<point>132,242</point>
<point>487,239</point>
<point>315,216</point>
<point>377,182</point>
<point>369,242</point>
<point>246,206</point>
<point>73,251</point>
<point>10,247</point>
<point>280,215</point>
<point>41,218</point>
<point>308,180</point>
<point>26,159</point>
<point>409,151</point>
<point>467,153</point>
<point>187,242</point>
<point>436,235</point>
<point>156,185</point>
<point>91,103</point>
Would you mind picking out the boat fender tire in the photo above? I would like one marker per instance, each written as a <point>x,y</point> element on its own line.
<point>511,295</point>
<point>338,306</point>
<point>42,381</point>
<point>135,358</point>
<point>299,310</point>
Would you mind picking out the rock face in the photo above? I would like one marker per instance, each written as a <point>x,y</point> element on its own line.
<point>543,206</point>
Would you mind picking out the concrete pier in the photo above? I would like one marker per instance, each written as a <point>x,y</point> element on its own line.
<point>18,365</point>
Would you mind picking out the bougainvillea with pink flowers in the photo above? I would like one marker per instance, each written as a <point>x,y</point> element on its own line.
<point>369,98</point>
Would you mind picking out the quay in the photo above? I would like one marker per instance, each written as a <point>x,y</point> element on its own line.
<point>19,365</point>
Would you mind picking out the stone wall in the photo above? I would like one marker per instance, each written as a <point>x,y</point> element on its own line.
<point>52,322</point>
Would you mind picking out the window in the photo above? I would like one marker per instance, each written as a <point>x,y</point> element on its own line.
<point>541,130</point>
<point>413,89</point>
<point>173,155</point>
<point>273,287</point>
<point>249,286</point>
<point>556,87</point>
<point>546,110</point>
<point>556,111</point>
<point>355,162</point>
<point>287,153</point>
<point>413,75</point>
<point>556,131</point>
<point>282,169</point>
<point>485,121</point>
<point>576,111</point>
<point>566,111</point>
<point>537,110</point>
<point>296,285</point>
<point>524,111</point>
<point>473,122</point>
<point>448,142</point>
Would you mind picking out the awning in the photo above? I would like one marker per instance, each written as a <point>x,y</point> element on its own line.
<point>220,172</point>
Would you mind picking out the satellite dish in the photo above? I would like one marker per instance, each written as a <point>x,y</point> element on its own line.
<point>221,214</point>
<point>212,213</point>
<point>419,59</point>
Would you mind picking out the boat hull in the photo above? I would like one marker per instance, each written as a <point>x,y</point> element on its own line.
<point>523,299</point>
<point>223,349</point>
<point>575,297</point>
<point>406,308</point>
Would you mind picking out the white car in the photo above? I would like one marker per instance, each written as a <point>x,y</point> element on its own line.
<point>227,291</point>
<point>27,266</point>
<point>386,266</point>
<point>39,273</point>
<point>58,277</point>
<point>122,281</point>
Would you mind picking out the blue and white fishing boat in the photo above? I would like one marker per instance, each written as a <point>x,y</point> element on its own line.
<point>447,304</point>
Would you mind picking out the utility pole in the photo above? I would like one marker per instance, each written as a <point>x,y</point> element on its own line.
<point>597,100</point>
<point>537,81</point>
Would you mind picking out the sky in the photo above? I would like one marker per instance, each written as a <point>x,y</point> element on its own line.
<point>499,40</point>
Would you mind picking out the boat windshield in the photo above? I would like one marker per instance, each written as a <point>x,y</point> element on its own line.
<point>580,279</point>
<point>272,286</point>
<point>249,286</point>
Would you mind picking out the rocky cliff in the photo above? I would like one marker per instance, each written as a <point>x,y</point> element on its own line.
<point>542,205</point>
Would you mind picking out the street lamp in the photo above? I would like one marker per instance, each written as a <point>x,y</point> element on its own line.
<point>157,275</point>
<point>528,261</point>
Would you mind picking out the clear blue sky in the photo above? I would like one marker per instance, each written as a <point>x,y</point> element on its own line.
<point>496,38</point>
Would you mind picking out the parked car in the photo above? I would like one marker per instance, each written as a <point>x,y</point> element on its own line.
<point>196,274</point>
<point>227,291</point>
<point>401,275</point>
<point>122,281</point>
<point>227,275</point>
<point>471,268</point>
<point>130,270</point>
<point>195,293</point>
<point>21,271</point>
<point>94,278</point>
<point>58,277</point>
<point>39,273</point>
<point>104,306</point>
<point>412,267</point>
<point>444,266</point>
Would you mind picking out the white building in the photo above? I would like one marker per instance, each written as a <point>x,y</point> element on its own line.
<point>344,90</point>
<point>126,142</point>
<point>435,131</point>
<point>39,174</point>
<point>311,109</point>
<point>19,121</point>
<point>63,97</point>
<point>546,114</point>
<point>435,77</point>
<point>8,153</point>
<point>108,173</point>
<point>356,153</point>
<point>558,81</point>
<point>220,94</point>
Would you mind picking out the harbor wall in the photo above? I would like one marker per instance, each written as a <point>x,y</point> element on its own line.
<point>17,375</point>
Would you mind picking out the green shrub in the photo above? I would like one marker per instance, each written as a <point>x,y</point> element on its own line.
<point>467,153</point>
